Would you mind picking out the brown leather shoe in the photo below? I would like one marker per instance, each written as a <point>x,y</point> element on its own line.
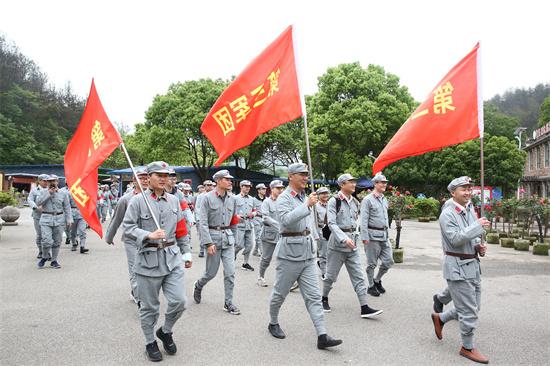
<point>473,355</point>
<point>438,326</point>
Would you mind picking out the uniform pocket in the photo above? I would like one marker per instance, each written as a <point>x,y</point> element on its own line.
<point>269,235</point>
<point>295,247</point>
<point>468,268</point>
<point>149,258</point>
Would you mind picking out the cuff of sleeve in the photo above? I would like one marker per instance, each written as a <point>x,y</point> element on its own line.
<point>187,257</point>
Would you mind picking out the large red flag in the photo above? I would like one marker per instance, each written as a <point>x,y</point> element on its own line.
<point>452,113</point>
<point>94,140</point>
<point>264,96</point>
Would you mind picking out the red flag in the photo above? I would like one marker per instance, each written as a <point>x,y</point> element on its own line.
<point>264,96</point>
<point>94,140</point>
<point>452,113</point>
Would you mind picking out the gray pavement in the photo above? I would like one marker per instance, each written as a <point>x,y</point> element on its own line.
<point>82,313</point>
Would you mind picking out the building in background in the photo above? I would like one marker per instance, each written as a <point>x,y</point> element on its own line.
<point>536,175</point>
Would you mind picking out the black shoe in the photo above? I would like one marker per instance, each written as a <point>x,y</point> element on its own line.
<point>247,267</point>
<point>153,352</point>
<point>326,306</point>
<point>55,264</point>
<point>276,331</point>
<point>73,248</point>
<point>68,241</point>
<point>231,309</point>
<point>41,263</point>
<point>325,341</point>
<point>373,291</point>
<point>197,292</point>
<point>167,341</point>
<point>379,287</point>
<point>39,256</point>
<point>201,254</point>
<point>438,305</point>
<point>367,312</point>
<point>84,250</point>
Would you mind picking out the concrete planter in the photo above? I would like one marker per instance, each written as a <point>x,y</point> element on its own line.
<point>514,235</point>
<point>10,215</point>
<point>507,242</point>
<point>502,235</point>
<point>423,219</point>
<point>398,255</point>
<point>541,249</point>
<point>531,239</point>
<point>492,238</point>
<point>433,218</point>
<point>522,245</point>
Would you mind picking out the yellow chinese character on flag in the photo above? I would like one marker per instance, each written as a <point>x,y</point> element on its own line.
<point>97,135</point>
<point>240,107</point>
<point>258,92</point>
<point>79,194</point>
<point>443,98</point>
<point>224,119</point>
<point>273,82</point>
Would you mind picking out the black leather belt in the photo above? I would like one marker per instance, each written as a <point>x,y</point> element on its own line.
<point>377,228</point>
<point>220,228</point>
<point>159,245</point>
<point>462,256</point>
<point>53,213</point>
<point>348,230</point>
<point>301,233</point>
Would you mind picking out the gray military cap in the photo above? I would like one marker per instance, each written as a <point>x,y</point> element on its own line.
<point>187,187</point>
<point>459,182</point>
<point>200,186</point>
<point>222,174</point>
<point>379,177</point>
<point>297,168</point>
<point>208,182</point>
<point>141,171</point>
<point>323,190</point>
<point>246,183</point>
<point>43,177</point>
<point>276,184</point>
<point>158,167</point>
<point>261,186</point>
<point>52,177</point>
<point>171,172</point>
<point>344,178</point>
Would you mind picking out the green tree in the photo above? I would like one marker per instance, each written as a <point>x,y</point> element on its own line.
<point>498,123</point>
<point>544,114</point>
<point>355,111</point>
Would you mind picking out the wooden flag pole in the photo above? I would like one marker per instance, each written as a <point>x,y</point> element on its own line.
<point>482,178</point>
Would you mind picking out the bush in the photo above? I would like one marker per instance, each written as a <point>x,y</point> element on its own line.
<point>7,199</point>
<point>426,207</point>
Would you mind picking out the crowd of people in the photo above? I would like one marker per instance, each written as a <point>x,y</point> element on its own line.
<point>310,236</point>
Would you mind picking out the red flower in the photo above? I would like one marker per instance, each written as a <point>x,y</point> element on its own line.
<point>407,193</point>
<point>542,201</point>
<point>397,193</point>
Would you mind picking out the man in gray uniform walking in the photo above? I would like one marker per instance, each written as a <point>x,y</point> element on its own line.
<point>208,187</point>
<point>56,213</point>
<point>129,244</point>
<point>78,228</point>
<point>37,211</point>
<point>324,231</point>
<point>159,260</point>
<point>270,232</point>
<point>217,233</point>
<point>342,214</point>
<point>296,255</point>
<point>461,233</point>
<point>374,233</point>
<point>258,222</point>
<point>247,212</point>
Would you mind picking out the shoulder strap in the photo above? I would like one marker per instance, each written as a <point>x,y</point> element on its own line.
<point>338,204</point>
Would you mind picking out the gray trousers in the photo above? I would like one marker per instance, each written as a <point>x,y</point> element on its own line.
<point>466,296</point>
<point>378,250</point>
<point>267,254</point>
<point>244,241</point>
<point>131,253</point>
<point>305,273</point>
<point>51,240</point>
<point>445,296</point>
<point>104,212</point>
<point>227,256</point>
<point>78,229</point>
<point>38,234</point>
<point>148,293</point>
<point>258,247</point>
<point>352,260</point>
<point>322,246</point>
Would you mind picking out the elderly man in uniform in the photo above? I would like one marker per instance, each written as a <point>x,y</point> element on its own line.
<point>65,191</point>
<point>374,233</point>
<point>342,215</point>
<point>258,222</point>
<point>37,211</point>
<point>270,232</point>
<point>162,253</point>
<point>296,255</point>
<point>56,213</point>
<point>188,195</point>
<point>323,229</point>
<point>208,187</point>
<point>246,209</point>
<point>217,233</point>
<point>461,233</point>
<point>78,228</point>
<point>129,244</point>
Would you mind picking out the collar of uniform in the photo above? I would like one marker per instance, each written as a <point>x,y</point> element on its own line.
<point>219,195</point>
<point>154,196</point>
<point>459,208</point>
<point>244,196</point>
<point>342,196</point>
<point>293,193</point>
<point>377,195</point>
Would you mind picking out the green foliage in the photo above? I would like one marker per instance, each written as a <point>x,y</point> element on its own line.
<point>427,207</point>
<point>6,199</point>
<point>498,123</point>
<point>544,114</point>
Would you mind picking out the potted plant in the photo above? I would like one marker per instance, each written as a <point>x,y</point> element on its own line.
<point>398,205</point>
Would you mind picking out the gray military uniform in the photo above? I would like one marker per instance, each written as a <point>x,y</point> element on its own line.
<point>36,213</point>
<point>245,205</point>
<point>258,225</point>
<point>56,214</point>
<point>270,233</point>
<point>343,226</point>
<point>157,268</point>
<point>296,256</point>
<point>322,221</point>
<point>460,234</point>
<point>374,228</point>
<point>65,190</point>
<point>216,213</point>
<point>198,204</point>
<point>78,228</point>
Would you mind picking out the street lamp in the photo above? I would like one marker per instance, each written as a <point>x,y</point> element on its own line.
<point>517,134</point>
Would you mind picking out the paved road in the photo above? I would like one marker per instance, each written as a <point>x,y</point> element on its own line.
<point>82,314</point>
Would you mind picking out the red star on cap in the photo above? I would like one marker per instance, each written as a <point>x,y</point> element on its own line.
<point>163,165</point>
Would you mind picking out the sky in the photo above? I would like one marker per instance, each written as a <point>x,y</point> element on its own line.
<point>136,49</point>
